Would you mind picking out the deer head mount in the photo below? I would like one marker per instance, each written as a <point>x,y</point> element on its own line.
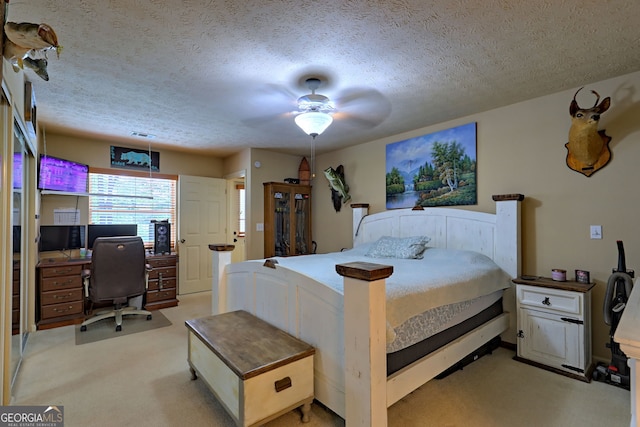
<point>588,147</point>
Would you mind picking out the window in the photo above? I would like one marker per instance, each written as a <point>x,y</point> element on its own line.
<point>132,198</point>
<point>240,192</point>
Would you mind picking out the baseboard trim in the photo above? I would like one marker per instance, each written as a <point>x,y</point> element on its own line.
<point>584,378</point>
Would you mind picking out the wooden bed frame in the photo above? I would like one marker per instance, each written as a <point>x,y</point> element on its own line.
<point>349,331</point>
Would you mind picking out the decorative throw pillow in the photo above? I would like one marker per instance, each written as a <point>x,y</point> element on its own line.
<point>399,247</point>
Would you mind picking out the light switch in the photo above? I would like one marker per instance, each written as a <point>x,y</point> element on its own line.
<point>259,226</point>
<point>596,232</point>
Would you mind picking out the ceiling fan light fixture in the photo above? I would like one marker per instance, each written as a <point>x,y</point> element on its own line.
<point>313,123</point>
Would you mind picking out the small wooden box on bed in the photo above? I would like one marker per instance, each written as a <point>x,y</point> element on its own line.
<point>352,327</point>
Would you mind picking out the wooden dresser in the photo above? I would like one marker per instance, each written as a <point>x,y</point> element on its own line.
<point>60,292</point>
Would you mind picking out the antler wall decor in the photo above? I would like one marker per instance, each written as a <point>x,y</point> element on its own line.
<point>588,147</point>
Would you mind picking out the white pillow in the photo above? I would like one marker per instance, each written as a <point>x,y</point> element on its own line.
<point>399,247</point>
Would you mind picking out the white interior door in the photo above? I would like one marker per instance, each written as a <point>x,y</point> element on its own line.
<point>202,220</point>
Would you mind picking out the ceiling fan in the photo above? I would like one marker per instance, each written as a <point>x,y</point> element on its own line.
<point>358,107</point>
<point>314,116</point>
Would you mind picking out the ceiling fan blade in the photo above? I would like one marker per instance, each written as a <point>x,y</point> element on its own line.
<point>362,107</point>
<point>259,121</point>
<point>268,103</point>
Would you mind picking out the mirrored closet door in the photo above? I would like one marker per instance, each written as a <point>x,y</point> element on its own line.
<point>23,160</point>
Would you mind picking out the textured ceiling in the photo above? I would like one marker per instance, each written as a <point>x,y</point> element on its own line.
<point>218,76</point>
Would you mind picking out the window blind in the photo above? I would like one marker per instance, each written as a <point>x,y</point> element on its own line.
<point>127,199</point>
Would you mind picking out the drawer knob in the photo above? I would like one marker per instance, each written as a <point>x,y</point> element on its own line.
<point>546,301</point>
<point>283,384</point>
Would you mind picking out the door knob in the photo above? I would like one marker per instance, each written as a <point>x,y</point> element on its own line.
<point>182,240</point>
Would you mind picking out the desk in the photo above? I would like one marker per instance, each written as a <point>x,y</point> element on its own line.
<point>60,292</point>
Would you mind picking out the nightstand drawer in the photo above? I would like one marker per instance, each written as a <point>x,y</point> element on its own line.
<point>551,299</point>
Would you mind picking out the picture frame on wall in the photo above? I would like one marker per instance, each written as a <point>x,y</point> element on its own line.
<point>438,169</point>
<point>132,158</point>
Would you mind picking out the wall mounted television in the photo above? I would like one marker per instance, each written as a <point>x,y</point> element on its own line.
<point>62,175</point>
<point>109,230</point>
<point>61,237</point>
<point>17,171</point>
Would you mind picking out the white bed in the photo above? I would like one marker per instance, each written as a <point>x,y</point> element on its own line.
<point>348,323</point>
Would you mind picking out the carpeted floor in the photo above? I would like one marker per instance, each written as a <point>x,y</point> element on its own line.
<point>143,379</point>
<point>131,324</point>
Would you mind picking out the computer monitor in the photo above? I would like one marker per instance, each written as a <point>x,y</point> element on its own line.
<point>61,237</point>
<point>109,230</point>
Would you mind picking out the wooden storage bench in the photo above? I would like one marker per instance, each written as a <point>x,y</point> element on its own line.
<point>256,371</point>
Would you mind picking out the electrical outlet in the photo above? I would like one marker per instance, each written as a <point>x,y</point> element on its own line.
<point>596,231</point>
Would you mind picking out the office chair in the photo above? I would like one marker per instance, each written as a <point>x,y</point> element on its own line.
<point>118,274</point>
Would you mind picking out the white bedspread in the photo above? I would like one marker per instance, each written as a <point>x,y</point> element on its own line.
<point>443,276</point>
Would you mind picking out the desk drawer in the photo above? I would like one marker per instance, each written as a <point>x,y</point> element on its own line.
<point>164,271</point>
<point>58,310</point>
<point>162,262</point>
<point>154,296</point>
<point>166,284</point>
<point>63,270</point>
<point>56,283</point>
<point>61,296</point>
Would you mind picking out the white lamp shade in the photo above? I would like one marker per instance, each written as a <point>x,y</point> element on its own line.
<point>313,122</point>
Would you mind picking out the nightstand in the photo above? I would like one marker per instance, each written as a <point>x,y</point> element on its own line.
<point>554,325</point>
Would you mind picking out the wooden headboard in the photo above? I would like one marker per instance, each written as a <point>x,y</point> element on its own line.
<point>494,235</point>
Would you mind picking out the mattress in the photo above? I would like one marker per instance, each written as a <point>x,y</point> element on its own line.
<point>433,321</point>
<point>399,359</point>
<point>443,277</point>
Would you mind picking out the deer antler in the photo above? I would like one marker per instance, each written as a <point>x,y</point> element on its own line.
<point>596,94</point>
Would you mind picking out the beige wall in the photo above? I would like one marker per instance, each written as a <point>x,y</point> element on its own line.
<point>521,150</point>
<point>96,153</point>
<point>273,167</point>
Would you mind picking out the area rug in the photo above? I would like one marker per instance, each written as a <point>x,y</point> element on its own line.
<point>106,328</point>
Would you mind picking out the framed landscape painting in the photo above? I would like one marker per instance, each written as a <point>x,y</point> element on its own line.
<point>438,169</point>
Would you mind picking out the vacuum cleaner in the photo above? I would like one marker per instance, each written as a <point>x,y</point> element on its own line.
<point>617,294</point>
